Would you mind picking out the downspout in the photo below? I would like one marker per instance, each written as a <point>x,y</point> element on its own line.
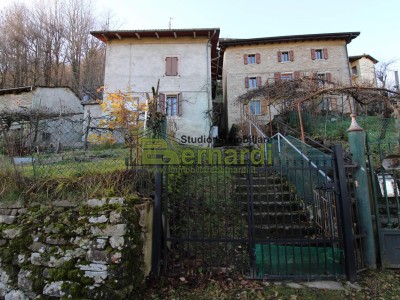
<point>209,79</point>
<point>348,69</point>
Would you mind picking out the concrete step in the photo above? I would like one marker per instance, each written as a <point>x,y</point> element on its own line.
<point>284,230</point>
<point>279,217</point>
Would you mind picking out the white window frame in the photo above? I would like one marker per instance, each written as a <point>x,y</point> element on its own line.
<point>259,107</point>
<point>252,82</point>
<point>319,54</point>
<point>284,54</point>
<point>251,59</point>
<point>171,110</point>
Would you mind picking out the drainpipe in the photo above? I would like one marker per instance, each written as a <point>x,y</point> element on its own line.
<point>348,69</point>
<point>363,201</point>
<point>209,80</point>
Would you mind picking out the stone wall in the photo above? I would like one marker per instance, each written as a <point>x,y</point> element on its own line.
<point>96,250</point>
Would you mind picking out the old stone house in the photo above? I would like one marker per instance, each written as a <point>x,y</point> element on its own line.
<point>249,63</point>
<point>181,59</point>
<point>42,116</point>
<point>363,69</point>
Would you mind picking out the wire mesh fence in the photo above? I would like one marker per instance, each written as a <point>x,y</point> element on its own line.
<point>64,146</point>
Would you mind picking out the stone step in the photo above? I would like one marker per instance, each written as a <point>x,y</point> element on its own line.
<point>259,197</point>
<point>279,217</point>
<point>274,206</point>
<point>284,230</point>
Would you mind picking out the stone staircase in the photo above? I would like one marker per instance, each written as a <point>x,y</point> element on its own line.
<point>277,212</point>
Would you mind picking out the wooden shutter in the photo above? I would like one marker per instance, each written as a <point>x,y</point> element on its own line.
<point>328,76</point>
<point>171,66</point>
<point>291,55</point>
<point>279,56</point>
<point>161,103</point>
<point>246,82</point>
<point>245,59</point>
<point>258,58</point>
<point>325,53</point>
<point>296,74</point>
<point>277,76</point>
<point>174,66</point>
<point>168,66</point>
<point>179,104</point>
<point>313,54</point>
<point>259,83</point>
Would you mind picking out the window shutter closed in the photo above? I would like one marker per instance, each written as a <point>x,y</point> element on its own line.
<point>246,82</point>
<point>245,59</point>
<point>328,77</point>
<point>313,54</point>
<point>174,66</point>
<point>179,104</point>
<point>291,55</point>
<point>279,56</point>
<point>296,75</point>
<point>325,53</point>
<point>161,103</point>
<point>168,66</point>
<point>258,58</point>
<point>171,66</point>
<point>277,76</point>
<point>259,81</point>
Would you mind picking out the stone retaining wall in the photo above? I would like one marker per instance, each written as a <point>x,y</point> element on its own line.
<point>97,250</point>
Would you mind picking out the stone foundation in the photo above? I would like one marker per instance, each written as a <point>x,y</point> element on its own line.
<point>97,250</point>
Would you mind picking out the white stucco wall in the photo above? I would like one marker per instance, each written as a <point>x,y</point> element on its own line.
<point>235,71</point>
<point>136,65</point>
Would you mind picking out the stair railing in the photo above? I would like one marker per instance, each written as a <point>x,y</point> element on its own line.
<point>323,202</point>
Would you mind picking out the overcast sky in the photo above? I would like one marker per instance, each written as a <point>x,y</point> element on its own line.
<point>377,20</point>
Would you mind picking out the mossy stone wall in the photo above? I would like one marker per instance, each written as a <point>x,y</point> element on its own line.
<point>96,250</point>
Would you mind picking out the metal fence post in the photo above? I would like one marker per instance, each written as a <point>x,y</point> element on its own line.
<point>157,226</point>
<point>356,145</point>
<point>345,213</point>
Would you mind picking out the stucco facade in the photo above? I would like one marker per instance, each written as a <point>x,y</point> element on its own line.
<point>269,63</point>
<point>60,111</point>
<point>136,60</point>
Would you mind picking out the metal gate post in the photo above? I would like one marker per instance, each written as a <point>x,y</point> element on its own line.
<point>375,196</point>
<point>345,214</point>
<point>356,145</point>
<point>250,209</point>
<point>157,226</point>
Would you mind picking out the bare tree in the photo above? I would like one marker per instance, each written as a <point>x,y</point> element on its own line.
<point>382,71</point>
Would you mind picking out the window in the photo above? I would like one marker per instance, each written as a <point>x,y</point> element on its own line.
<point>286,76</point>
<point>251,59</point>
<point>323,77</point>
<point>253,82</point>
<point>46,137</point>
<point>255,107</point>
<point>319,54</point>
<point>285,56</point>
<point>354,70</point>
<point>171,105</point>
<point>171,66</point>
